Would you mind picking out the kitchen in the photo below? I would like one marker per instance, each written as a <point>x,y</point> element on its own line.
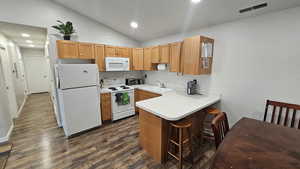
<point>146,98</point>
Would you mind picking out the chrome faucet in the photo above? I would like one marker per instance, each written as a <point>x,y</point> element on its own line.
<point>161,84</point>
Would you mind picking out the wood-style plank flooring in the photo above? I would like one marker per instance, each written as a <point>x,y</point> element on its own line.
<point>39,144</point>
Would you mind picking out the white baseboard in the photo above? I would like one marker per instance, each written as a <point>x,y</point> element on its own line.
<point>21,107</point>
<point>6,138</point>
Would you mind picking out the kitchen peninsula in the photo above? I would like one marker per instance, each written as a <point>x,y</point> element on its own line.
<point>155,114</point>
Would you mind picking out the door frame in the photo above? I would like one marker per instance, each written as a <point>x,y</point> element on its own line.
<point>12,101</point>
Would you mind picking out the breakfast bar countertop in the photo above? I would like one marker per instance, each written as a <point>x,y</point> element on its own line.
<point>176,105</point>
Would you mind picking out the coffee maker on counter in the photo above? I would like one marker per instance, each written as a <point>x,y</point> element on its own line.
<point>192,87</point>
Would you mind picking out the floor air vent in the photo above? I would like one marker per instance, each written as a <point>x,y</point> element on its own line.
<point>255,7</point>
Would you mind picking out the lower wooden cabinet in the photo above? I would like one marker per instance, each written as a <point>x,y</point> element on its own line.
<point>143,95</point>
<point>106,111</point>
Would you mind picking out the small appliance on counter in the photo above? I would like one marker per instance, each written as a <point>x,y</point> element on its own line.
<point>134,81</point>
<point>192,87</point>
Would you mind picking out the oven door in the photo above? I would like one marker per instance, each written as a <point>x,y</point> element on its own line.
<point>116,108</point>
<point>117,64</point>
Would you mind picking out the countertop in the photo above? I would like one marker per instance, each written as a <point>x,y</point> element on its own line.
<point>175,105</point>
<point>149,88</point>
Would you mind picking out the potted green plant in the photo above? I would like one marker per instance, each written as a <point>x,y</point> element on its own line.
<point>66,29</point>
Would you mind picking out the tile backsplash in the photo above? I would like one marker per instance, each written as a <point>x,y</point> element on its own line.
<point>115,78</point>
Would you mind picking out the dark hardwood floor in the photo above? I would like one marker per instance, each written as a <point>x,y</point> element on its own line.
<point>39,144</point>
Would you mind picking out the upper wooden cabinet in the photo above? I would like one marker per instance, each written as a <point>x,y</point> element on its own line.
<point>100,57</point>
<point>147,59</point>
<point>110,51</point>
<point>122,52</point>
<point>175,57</point>
<point>155,54</point>
<point>67,49</point>
<point>164,54</point>
<point>86,50</point>
<point>197,55</point>
<point>138,58</point>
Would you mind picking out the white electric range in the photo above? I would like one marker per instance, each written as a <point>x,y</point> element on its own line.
<point>120,111</point>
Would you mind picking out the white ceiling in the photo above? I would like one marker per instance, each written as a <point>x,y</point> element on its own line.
<point>13,31</point>
<point>158,18</point>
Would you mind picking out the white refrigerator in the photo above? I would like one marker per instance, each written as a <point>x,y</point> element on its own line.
<point>78,97</point>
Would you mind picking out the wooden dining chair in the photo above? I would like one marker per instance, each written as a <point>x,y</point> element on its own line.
<point>282,113</point>
<point>220,128</point>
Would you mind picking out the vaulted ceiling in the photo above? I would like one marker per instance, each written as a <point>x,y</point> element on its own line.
<point>158,18</point>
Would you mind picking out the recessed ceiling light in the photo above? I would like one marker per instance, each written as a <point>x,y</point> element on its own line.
<point>31,46</point>
<point>196,1</point>
<point>134,25</point>
<point>25,35</point>
<point>29,41</point>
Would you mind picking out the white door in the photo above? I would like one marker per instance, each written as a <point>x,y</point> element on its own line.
<point>8,82</point>
<point>5,117</point>
<point>37,74</point>
<point>80,109</point>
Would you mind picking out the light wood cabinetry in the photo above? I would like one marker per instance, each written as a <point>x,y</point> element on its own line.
<point>138,58</point>
<point>110,51</point>
<point>164,54</point>
<point>192,60</point>
<point>100,57</point>
<point>106,112</point>
<point>122,52</point>
<point>175,56</point>
<point>155,54</point>
<point>147,59</point>
<point>86,50</point>
<point>67,49</point>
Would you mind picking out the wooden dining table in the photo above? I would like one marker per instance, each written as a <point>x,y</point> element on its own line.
<point>253,144</point>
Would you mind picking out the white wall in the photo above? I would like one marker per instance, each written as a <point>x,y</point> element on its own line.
<point>32,52</point>
<point>255,59</point>
<point>44,13</point>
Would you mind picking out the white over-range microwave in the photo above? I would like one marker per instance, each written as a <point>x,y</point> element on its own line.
<point>117,64</point>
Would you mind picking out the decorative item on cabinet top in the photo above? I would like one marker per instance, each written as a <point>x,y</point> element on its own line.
<point>66,29</point>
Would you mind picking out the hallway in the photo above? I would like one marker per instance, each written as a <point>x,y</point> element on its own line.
<point>39,144</point>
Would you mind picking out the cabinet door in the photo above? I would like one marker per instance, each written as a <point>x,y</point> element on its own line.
<point>206,61</point>
<point>67,49</point>
<point>100,58</point>
<point>175,53</point>
<point>155,54</point>
<point>164,53</point>
<point>86,50</point>
<point>147,59</point>
<point>110,51</point>
<point>106,113</point>
<point>191,56</point>
<point>138,58</point>
<point>123,52</point>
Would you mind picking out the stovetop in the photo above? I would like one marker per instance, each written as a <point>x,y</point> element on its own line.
<point>119,88</point>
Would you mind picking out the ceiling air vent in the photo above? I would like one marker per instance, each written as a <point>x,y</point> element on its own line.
<point>255,7</point>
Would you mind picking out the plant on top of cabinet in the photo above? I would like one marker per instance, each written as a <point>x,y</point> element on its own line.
<point>197,55</point>
<point>137,58</point>
<point>175,57</point>
<point>66,29</point>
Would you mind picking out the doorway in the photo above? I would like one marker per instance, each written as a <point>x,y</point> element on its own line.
<point>37,70</point>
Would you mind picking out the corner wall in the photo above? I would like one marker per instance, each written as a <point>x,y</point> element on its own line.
<point>254,59</point>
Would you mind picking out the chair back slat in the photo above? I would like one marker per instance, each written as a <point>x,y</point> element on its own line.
<point>278,116</point>
<point>220,127</point>
<point>273,114</point>
<point>293,119</point>
<point>286,116</point>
